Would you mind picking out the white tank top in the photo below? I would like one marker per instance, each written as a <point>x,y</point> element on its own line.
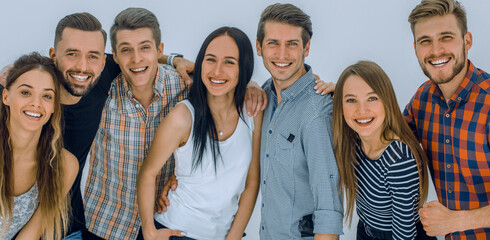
<point>205,201</point>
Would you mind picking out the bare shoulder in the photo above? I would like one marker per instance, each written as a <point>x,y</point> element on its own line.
<point>180,117</point>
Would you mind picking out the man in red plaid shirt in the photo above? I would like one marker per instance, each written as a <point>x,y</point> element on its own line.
<point>450,114</point>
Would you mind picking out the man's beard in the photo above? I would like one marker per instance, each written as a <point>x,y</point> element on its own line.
<point>72,88</point>
<point>457,68</point>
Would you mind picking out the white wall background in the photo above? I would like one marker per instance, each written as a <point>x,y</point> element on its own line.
<point>344,32</point>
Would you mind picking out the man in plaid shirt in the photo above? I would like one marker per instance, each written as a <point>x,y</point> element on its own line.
<point>138,100</point>
<point>450,114</point>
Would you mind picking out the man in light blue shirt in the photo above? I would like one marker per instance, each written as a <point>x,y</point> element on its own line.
<point>299,175</point>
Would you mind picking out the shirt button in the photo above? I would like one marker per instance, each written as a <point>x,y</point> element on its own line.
<point>447,140</point>
<point>447,115</point>
<point>331,176</point>
<point>450,191</point>
<point>262,205</point>
<point>262,227</point>
<point>459,98</point>
<point>270,131</point>
<point>264,181</point>
<point>448,165</point>
<point>267,155</point>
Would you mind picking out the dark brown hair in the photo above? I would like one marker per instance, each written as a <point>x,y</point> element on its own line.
<point>285,13</point>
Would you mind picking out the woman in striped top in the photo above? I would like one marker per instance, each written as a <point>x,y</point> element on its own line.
<point>382,166</point>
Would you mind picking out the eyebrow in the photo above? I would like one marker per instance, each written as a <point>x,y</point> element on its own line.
<point>442,33</point>
<point>227,57</point>
<point>353,95</point>
<point>29,86</point>
<point>76,50</point>
<point>127,43</point>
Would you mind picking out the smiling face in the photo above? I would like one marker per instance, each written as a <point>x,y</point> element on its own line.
<point>137,55</point>
<point>31,100</point>
<point>283,52</point>
<point>441,48</point>
<point>363,110</point>
<point>220,66</point>
<point>79,56</point>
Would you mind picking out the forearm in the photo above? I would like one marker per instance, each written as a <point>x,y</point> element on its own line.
<point>325,236</point>
<point>245,209</point>
<point>473,219</point>
<point>33,229</point>
<point>146,200</point>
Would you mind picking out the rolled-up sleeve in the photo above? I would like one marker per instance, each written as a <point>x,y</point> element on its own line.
<point>323,176</point>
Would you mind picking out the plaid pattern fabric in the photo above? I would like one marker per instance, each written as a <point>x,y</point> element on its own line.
<point>456,138</point>
<point>123,139</point>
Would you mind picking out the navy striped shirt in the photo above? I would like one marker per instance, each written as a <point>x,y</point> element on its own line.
<point>388,190</point>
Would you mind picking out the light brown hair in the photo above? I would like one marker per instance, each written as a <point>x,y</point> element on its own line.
<point>432,8</point>
<point>132,19</point>
<point>53,202</point>
<point>394,125</point>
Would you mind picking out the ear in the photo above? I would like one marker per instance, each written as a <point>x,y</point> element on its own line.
<point>468,41</point>
<point>307,49</point>
<point>52,54</point>
<point>259,47</point>
<point>114,56</point>
<point>4,97</point>
<point>160,49</point>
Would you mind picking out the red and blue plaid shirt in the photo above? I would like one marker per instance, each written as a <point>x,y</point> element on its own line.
<point>456,138</point>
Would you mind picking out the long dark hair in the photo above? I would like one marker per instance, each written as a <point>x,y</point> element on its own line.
<point>53,203</point>
<point>394,124</point>
<point>204,126</point>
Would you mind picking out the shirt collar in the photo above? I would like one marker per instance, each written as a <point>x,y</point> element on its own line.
<point>465,86</point>
<point>297,87</point>
<point>127,88</point>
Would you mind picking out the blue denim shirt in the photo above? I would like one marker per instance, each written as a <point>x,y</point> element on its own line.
<point>299,174</point>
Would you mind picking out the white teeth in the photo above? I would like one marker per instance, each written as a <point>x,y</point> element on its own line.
<point>439,62</point>
<point>79,78</point>
<point>217,81</point>
<point>37,115</point>
<point>364,121</point>
<point>281,64</point>
<point>137,70</point>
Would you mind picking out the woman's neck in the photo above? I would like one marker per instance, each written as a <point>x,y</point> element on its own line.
<point>373,147</point>
<point>24,143</point>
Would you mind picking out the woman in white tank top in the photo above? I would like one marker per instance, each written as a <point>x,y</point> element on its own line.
<point>216,149</point>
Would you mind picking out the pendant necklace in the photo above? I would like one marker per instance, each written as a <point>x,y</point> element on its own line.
<point>224,124</point>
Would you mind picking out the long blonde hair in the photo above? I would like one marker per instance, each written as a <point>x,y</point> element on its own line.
<point>53,202</point>
<point>394,125</point>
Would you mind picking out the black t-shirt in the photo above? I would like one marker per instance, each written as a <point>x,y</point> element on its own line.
<point>81,121</point>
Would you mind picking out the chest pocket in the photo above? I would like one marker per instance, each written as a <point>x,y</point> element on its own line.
<point>285,149</point>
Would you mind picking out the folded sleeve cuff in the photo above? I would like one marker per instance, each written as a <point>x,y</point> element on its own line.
<point>328,222</point>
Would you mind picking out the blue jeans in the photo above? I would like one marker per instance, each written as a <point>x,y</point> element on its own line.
<point>74,236</point>
<point>160,226</point>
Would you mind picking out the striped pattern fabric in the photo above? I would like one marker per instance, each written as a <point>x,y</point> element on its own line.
<point>123,139</point>
<point>388,191</point>
<point>456,137</point>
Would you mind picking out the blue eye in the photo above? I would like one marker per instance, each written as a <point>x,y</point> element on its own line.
<point>350,100</point>
<point>372,99</point>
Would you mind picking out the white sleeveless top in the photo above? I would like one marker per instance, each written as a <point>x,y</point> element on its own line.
<point>24,207</point>
<point>205,201</point>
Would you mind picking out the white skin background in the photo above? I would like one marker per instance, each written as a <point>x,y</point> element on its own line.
<point>343,33</point>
